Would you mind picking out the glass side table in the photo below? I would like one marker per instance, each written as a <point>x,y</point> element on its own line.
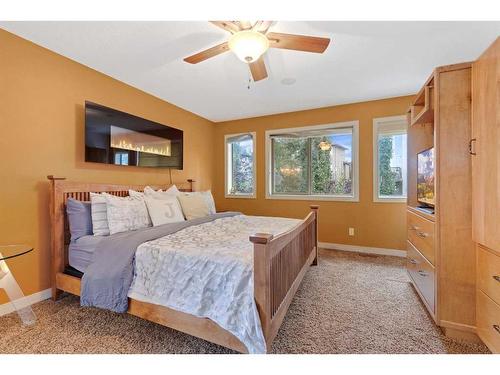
<point>9,283</point>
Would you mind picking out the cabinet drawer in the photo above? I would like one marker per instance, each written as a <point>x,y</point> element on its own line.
<point>488,273</point>
<point>488,321</point>
<point>422,274</point>
<point>421,235</point>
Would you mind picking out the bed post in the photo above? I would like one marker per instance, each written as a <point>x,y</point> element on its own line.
<point>315,209</point>
<point>262,278</point>
<point>191,184</point>
<point>56,234</point>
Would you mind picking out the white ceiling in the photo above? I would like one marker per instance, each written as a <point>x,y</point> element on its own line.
<point>365,61</point>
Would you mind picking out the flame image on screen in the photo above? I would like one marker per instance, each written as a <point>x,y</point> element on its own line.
<point>134,141</point>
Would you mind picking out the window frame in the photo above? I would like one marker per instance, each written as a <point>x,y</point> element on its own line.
<point>379,123</point>
<point>319,197</point>
<point>254,166</point>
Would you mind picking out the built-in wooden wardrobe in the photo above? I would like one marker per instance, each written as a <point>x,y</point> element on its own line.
<point>441,258</point>
<point>485,150</point>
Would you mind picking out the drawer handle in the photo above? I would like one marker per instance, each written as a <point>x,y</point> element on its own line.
<point>497,278</point>
<point>497,327</point>
<point>414,227</point>
<point>423,273</point>
<point>412,261</point>
<point>422,234</point>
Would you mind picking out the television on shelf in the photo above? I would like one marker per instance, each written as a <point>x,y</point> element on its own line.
<point>425,178</point>
<point>119,138</point>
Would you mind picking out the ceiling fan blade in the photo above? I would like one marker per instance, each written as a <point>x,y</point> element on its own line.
<point>298,42</point>
<point>262,26</point>
<point>245,25</point>
<point>258,70</point>
<point>208,53</point>
<point>230,26</point>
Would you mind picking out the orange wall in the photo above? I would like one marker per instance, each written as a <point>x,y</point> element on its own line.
<point>376,224</point>
<point>42,132</point>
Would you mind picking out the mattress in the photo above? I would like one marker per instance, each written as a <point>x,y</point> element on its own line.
<point>206,270</point>
<point>81,251</point>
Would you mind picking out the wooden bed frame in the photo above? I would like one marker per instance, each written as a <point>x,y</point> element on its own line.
<point>280,264</point>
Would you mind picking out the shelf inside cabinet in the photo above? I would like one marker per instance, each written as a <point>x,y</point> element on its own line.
<point>422,110</point>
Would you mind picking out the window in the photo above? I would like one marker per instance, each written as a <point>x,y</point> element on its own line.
<point>316,162</point>
<point>240,165</point>
<point>389,159</point>
<point>121,158</point>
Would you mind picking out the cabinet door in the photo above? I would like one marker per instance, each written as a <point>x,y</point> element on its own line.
<point>486,146</point>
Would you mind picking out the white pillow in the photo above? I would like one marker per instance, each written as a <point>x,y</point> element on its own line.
<point>99,215</point>
<point>193,205</point>
<point>172,190</point>
<point>127,213</point>
<point>139,195</point>
<point>159,194</point>
<point>135,194</point>
<point>210,201</point>
<point>165,210</point>
<point>207,196</point>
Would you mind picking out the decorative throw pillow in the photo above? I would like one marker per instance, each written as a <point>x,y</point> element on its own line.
<point>172,190</point>
<point>207,196</point>
<point>159,194</point>
<point>136,194</point>
<point>139,195</point>
<point>193,205</point>
<point>165,210</point>
<point>126,213</point>
<point>79,218</point>
<point>99,214</point>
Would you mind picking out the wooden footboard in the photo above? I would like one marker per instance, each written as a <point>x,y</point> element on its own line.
<point>280,264</point>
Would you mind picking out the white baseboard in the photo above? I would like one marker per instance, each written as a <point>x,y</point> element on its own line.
<point>7,308</point>
<point>363,249</point>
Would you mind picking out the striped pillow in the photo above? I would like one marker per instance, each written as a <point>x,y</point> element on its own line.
<point>99,214</point>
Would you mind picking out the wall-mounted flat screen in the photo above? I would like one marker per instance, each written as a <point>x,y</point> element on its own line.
<point>115,137</point>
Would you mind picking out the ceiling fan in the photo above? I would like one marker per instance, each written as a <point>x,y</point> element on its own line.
<point>250,40</point>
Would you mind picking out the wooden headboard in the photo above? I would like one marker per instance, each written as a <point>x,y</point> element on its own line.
<point>60,191</point>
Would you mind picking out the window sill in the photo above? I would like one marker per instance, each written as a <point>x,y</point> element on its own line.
<point>313,198</point>
<point>390,200</point>
<point>252,196</point>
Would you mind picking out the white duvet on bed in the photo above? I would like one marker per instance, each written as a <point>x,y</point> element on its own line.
<point>207,270</point>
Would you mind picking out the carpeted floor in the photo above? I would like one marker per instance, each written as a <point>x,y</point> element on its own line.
<point>348,304</point>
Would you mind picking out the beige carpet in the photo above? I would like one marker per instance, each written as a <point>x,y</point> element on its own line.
<point>348,304</point>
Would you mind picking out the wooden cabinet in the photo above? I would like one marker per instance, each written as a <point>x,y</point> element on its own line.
<point>488,273</point>
<point>488,325</point>
<point>441,254</point>
<point>485,150</point>
<point>421,233</point>
<point>454,253</point>
<point>423,275</point>
<point>485,145</point>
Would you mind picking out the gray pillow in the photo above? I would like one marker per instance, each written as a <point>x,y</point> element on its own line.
<point>79,218</point>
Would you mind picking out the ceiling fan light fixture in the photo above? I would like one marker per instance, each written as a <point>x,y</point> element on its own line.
<point>248,45</point>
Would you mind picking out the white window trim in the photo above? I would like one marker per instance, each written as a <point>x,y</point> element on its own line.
<point>254,167</point>
<point>355,160</point>
<point>377,123</point>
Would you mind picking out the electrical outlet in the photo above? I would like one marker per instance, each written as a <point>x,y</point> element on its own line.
<point>351,231</point>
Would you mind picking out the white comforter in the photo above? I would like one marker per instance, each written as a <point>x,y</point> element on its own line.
<point>207,270</point>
